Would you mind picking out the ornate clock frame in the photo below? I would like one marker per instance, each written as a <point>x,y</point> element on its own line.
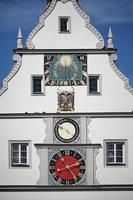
<point>54,151</point>
<point>75,140</point>
<point>65,70</point>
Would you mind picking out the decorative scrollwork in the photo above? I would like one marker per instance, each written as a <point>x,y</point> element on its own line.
<point>46,13</point>
<point>18,60</point>
<point>112,59</point>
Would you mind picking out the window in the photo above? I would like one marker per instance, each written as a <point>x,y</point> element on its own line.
<point>19,154</point>
<point>64,24</point>
<point>37,84</point>
<point>94,84</point>
<point>115,152</point>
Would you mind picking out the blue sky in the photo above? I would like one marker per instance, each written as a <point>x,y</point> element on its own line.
<point>25,13</point>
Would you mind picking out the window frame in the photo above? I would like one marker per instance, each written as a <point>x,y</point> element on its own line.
<point>28,154</point>
<point>99,84</point>
<point>42,84</point>
<point>124,144</point>
<point>68,24</point>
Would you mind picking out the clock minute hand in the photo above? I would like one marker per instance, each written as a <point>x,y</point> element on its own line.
<point>66,130</point>
<point>68,167</point>
<point>74,165</point>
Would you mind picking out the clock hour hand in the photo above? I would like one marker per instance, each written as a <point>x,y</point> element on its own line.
<point>66,130</point>
<point>68,167</point>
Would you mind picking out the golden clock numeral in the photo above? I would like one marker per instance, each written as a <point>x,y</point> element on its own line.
<point>54,174</point>
<point>66,152</point>
<point>82,167</point>
<point>80,175</point>
<point>51,167</point>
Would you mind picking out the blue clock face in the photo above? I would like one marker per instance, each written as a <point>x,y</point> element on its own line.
<point>65,69</point>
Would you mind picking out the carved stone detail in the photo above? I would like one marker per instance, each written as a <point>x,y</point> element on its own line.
<point>96,182</point>
<point>112,59</point>
<point>88,122</point>
<point>18,60</point>
<point>41,23</point>
<point>49,9</point>
<point>100,44</point>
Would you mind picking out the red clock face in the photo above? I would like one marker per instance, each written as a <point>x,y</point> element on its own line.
<point>67,167</point>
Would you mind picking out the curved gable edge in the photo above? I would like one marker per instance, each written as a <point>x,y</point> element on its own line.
<point>112,59</point>
<point>47,12</point>
<point>16,66</point>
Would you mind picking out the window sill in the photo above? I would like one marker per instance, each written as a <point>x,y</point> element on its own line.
<point>38,94</point>
<point>116,165</point>
<point>64,32</point>
<point>20,165</point>
<point>94,94</point>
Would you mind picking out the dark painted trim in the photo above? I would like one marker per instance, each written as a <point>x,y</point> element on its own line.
<point>65,51</point>
<point>42,145</point>
<point>34,188</point>
<point>27,115</point>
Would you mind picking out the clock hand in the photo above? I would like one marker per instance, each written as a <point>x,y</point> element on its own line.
<point>74,165</point>
<point>68,167</point>
<point>71,173</point>
<point>66,130</point>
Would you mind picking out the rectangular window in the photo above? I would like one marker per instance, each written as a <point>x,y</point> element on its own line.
<point>64,24</point>
<point>37,85</point>
<point>19,153</point>
<point>94,84</point>
<point>115,153</point>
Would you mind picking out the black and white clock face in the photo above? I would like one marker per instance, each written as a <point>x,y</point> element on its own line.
<point>66,130</point>
<point>67,167</point>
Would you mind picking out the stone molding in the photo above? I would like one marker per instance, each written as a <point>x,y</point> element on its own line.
<point>87,188</point>
<point>112,59</point>
<point>18,60</point>
<point>46,13</point>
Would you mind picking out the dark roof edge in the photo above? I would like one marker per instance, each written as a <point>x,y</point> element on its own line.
<point>87,188</point>
<point>66,51</point>
<point>47,115</point>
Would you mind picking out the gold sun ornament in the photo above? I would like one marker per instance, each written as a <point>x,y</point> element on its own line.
<point>65,60</point>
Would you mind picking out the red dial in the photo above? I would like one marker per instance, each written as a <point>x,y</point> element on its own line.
<point>67,167</point>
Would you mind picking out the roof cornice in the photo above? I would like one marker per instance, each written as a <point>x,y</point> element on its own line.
<point>35,115</point>
<point>65,51</point>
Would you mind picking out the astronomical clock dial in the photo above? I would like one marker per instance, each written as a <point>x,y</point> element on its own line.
<point>66,130</point>
<point>67,167</point>
<point>65,70</point>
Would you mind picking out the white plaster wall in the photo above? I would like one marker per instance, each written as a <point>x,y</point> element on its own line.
<point>33,130</point>
<point>18,97</point>
<point>124,195</point>
<point>49,37</point>
<point>112,128</point>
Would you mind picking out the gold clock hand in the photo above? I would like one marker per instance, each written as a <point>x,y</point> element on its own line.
<point>68,167</point>
<point>71,172</point>
<point>66,130</point>
<point>74,165</point>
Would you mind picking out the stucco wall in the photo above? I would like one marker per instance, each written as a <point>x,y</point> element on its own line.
<point>114,97</point>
